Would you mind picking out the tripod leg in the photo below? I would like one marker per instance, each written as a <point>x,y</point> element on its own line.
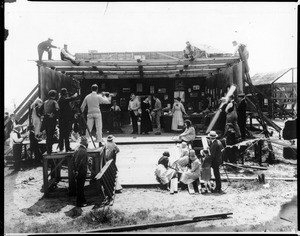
<point>87,128</point>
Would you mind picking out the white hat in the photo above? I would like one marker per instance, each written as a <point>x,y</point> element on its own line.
<point>212,134</point>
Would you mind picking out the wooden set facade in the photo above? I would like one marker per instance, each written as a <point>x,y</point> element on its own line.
<point>284,93</point>
<point>144,73</point>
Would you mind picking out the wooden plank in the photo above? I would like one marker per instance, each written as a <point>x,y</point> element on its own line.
<point>165,55</point>
<point>28,96</point>
<point>245,166</point>
<point>136,68</point>
<point>229,60</point>
<point>161,224</point>
<point>217,114</point>
<point>45,176</point>
<point>204,142</point>
<point>102,171</point>
<point>171,76</point>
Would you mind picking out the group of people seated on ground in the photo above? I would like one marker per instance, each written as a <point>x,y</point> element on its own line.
<point>188,167</point>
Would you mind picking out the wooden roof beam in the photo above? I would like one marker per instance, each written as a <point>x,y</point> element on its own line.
<point>198,61</point>
<point>138,68</point>
<point>97,76</point>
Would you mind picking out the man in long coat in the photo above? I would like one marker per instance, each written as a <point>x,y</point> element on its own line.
<point>216,159</point>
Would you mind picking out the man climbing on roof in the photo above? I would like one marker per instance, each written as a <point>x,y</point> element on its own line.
<point>46,46</point>
<point>241,51</point>
<point>189,52</point>
<point>65,55</point>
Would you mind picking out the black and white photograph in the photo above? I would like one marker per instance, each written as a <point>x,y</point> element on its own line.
<point>150,117</point>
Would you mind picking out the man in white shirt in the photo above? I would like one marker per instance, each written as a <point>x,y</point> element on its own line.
<point>16,140</point>
<point>133,107</point>
<point>65,55</point>
<point>93,100</point>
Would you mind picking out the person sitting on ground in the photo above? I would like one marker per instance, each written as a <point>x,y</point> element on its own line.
<point>164,173</point>
<point>80,160</point>
<point>65,55</point>
<point>206,169</point>
<point>189,133</point>
<point>111,150</point>
<point>193,173</point>
<point>184,149</point>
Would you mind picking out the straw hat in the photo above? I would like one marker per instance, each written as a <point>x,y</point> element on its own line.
<point>110,138</point>
<point>192,155</point>
<point>212,134</point>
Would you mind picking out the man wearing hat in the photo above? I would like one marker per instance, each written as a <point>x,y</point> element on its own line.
<point>216,159</point>
<point>65,55</point>
<point>50,110</point>
<point>112,149</point>
<point>80,160</point>
<point>65,119</point>
<point>241,112</point>
<point>93,101</point>
<point>16,139</point>
<point>46,46</point>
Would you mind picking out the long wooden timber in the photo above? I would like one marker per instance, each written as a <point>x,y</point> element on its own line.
<point>148,72</point>
<point>139,68</point>
<point>162,224</point>
<point>97,76</point>
<point>229,60</point>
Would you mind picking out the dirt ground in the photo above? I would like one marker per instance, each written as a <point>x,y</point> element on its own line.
<point>255,207</point>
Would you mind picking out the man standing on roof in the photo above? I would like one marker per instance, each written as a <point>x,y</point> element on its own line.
<point>241,51</point>
<point>65,55</point>
<point>46,46</point>
<point>93,101</point>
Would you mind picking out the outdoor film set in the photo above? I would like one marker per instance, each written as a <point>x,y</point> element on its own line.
<point>150,117</point>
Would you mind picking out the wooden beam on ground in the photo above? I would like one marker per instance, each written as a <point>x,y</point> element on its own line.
<point>162,224</point>
<point>245,166</point>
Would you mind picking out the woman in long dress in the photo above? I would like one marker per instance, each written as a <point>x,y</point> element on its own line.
<point>190,175</point>
<point>178,111</point>
<point>146,124</point>
<point>36,116</point>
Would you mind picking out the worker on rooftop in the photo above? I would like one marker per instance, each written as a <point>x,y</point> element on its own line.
<point>46,46</point>
<point>65,55</point>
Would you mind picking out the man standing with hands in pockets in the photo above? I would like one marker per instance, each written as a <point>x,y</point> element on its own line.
<point>94,116</point>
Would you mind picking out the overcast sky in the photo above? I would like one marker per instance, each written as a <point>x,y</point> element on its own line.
<point>268,29</point>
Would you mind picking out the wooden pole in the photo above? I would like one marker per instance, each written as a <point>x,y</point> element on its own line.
<point>161,224</point>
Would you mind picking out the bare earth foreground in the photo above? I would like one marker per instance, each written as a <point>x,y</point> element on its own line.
<point>256,207</point>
